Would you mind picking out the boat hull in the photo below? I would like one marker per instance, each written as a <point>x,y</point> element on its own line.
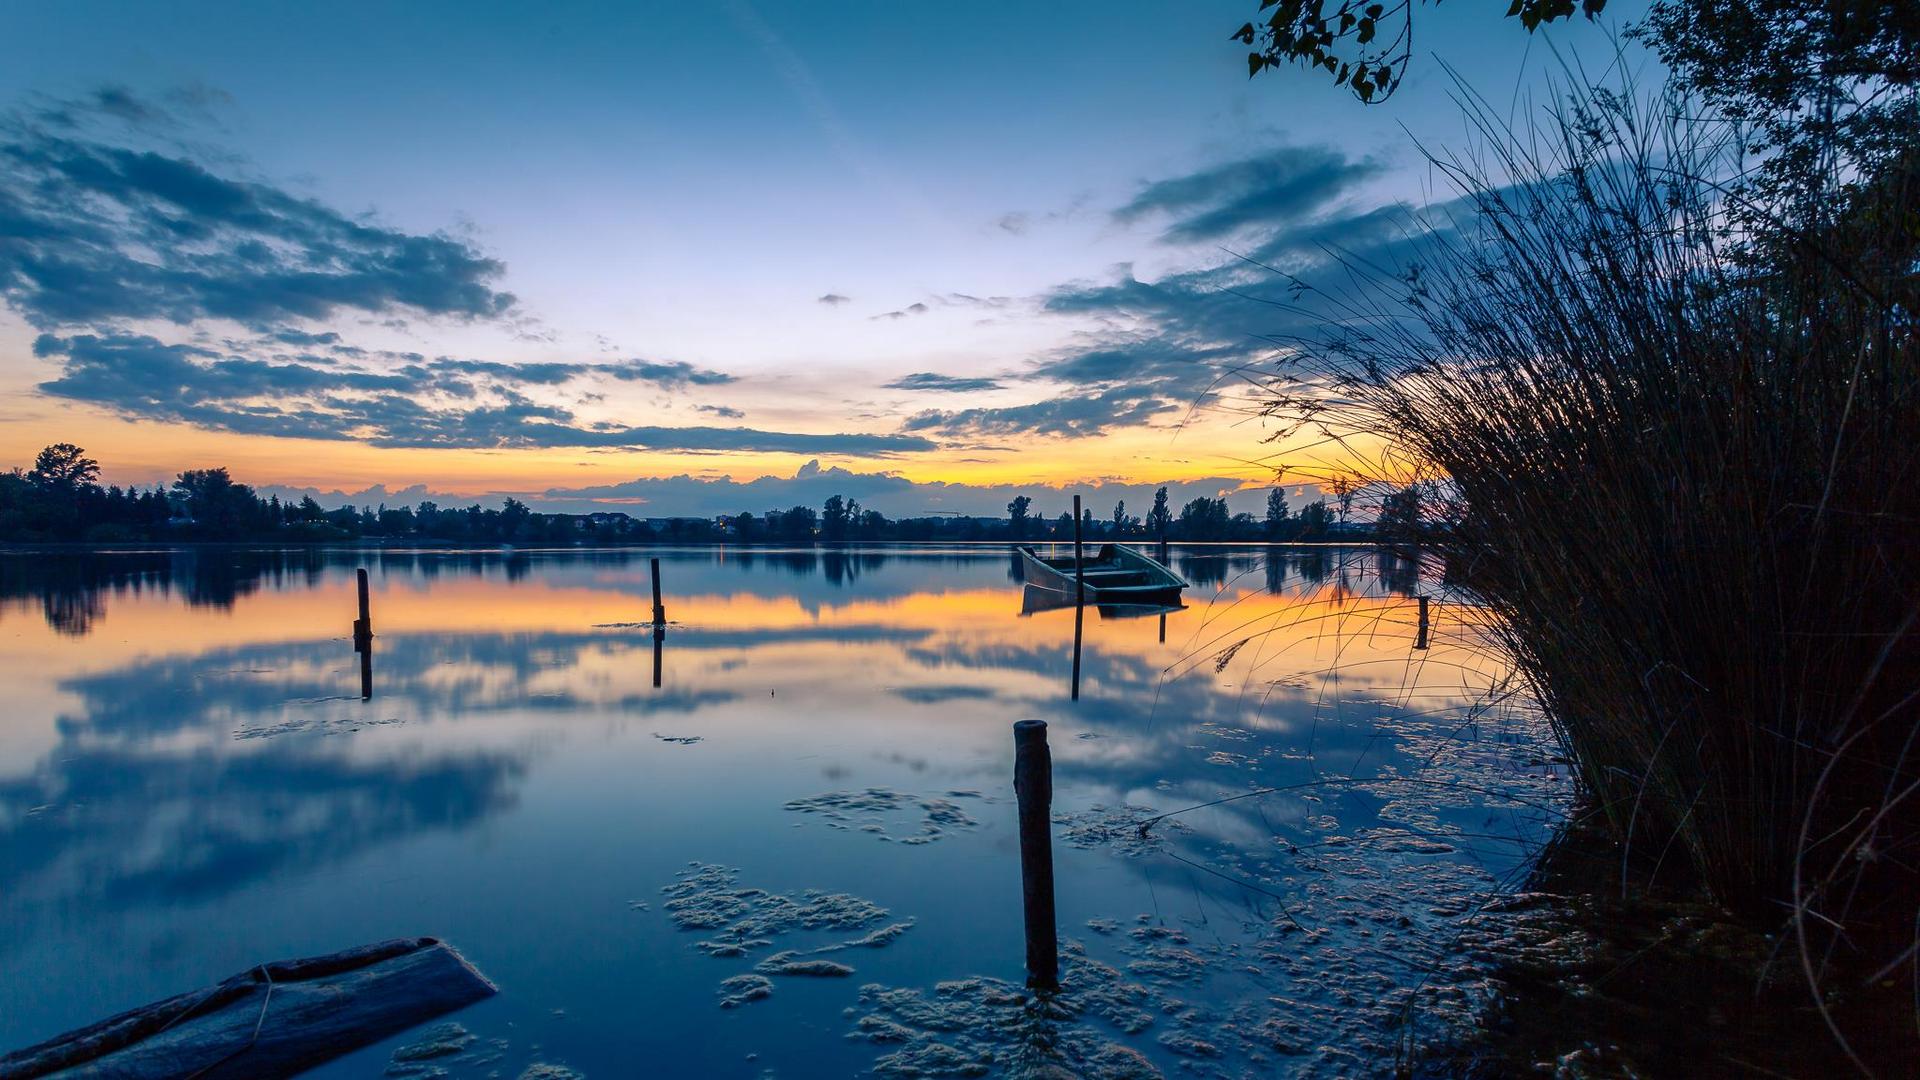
<point>1113,575</point>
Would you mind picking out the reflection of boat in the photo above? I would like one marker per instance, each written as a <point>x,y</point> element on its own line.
<point>1114,575</point>
<point>321,1007</point>
<point>1034,600</point>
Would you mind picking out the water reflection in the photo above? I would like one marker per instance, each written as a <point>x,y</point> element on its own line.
<point>190,747</point>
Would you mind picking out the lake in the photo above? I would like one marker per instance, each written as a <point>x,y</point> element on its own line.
<point>676,878</point>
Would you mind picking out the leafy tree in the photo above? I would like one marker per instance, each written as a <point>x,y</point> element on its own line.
<point>1400,516</point>
<point>1205,519</point>
<point>796,525</point>
<point>1276,512</point>
<point>63,468</point>
<point>835,516</point>
<point>1364,46</point>
<point>1159,517</point>
<point>1017,516</point>
<point>513,515</point>
<point>1313,520</point>
<point>1343,488</point>
<point>1120,518</point>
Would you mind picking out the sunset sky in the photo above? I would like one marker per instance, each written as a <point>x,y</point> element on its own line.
<point>638,256</point>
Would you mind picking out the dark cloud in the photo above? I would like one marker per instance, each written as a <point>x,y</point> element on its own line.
<point>92,232</point>
<point>893,495</point>
<point>1194,339</point>
<point>1275,188</point>
<point>726,412</point>
<point>1069,415</point>
<point>674,374</point>
<point>910,309</point>
<point>450,403</point>
<point>834,299</point>
<point>927,380</point>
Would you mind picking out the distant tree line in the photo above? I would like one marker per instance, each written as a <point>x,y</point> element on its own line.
<point>61,499</point>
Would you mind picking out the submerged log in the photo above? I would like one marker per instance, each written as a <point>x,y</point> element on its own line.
<point>276,1019</point>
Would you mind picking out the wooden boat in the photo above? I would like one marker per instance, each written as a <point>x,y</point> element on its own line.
<point>275,1019</point>
<point>1113,575</point>
<point>1035,600</point>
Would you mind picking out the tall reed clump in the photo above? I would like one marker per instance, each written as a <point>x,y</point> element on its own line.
<point>1681,443</point>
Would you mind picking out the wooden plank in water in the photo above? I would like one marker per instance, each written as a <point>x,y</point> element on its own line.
<point>273,1020</point>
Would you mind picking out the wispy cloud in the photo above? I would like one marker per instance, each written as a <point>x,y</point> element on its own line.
<point>1264,191</point>
<point>449,403</point>
<point>951,384</point>
<point>915,308</point>
<point>96,232</point>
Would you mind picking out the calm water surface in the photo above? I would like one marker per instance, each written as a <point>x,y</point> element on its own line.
<point>190,784</point>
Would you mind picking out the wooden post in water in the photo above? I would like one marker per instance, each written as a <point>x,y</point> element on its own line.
<point>1163,545</point>
<point>1033,786</point>
<point>659,637</point>
<point>363,626</point>
<point>366,673</point>
<point>1420,641</point>
<point>659,612</point>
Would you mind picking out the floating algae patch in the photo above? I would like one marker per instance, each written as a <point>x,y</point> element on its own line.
<point>980,1026</point>
<point>877,810</point>
<point>442,1050</point>
<point>744,920</point>
<point>742,989</point>
<point>1116,829</point>
<point>340,726</point>
<point>791,962</point>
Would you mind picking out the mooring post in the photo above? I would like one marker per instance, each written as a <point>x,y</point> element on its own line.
<point>1163,628</point>
<point>1033,786</point>
<point>1163,545</point>
<point>1420,641</point>
<point>659,637</point>
<point>659,612</point>
<point>363,626</point>
<point>366,672</point>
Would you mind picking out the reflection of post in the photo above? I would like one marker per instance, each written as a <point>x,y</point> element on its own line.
<point>1420,641</point>
<point>366,672</point>
<point>363,626</point>
<point>659,612</point>
<point>1033,786</point>
<point>1163,628</point>
<point>1079,617</point>
<point>659,636</point>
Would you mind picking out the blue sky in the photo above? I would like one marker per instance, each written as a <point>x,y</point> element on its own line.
<point>1026,209</point>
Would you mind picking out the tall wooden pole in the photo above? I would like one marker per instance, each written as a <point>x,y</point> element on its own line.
<point>659,611</point>
<point>363,635</point>
<point>1420,641</point>
<point>1033,786</point>
<point>363,626</point>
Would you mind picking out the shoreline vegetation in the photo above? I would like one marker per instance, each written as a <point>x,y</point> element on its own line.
<point>1662,367</point>
<point>61,501</point>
